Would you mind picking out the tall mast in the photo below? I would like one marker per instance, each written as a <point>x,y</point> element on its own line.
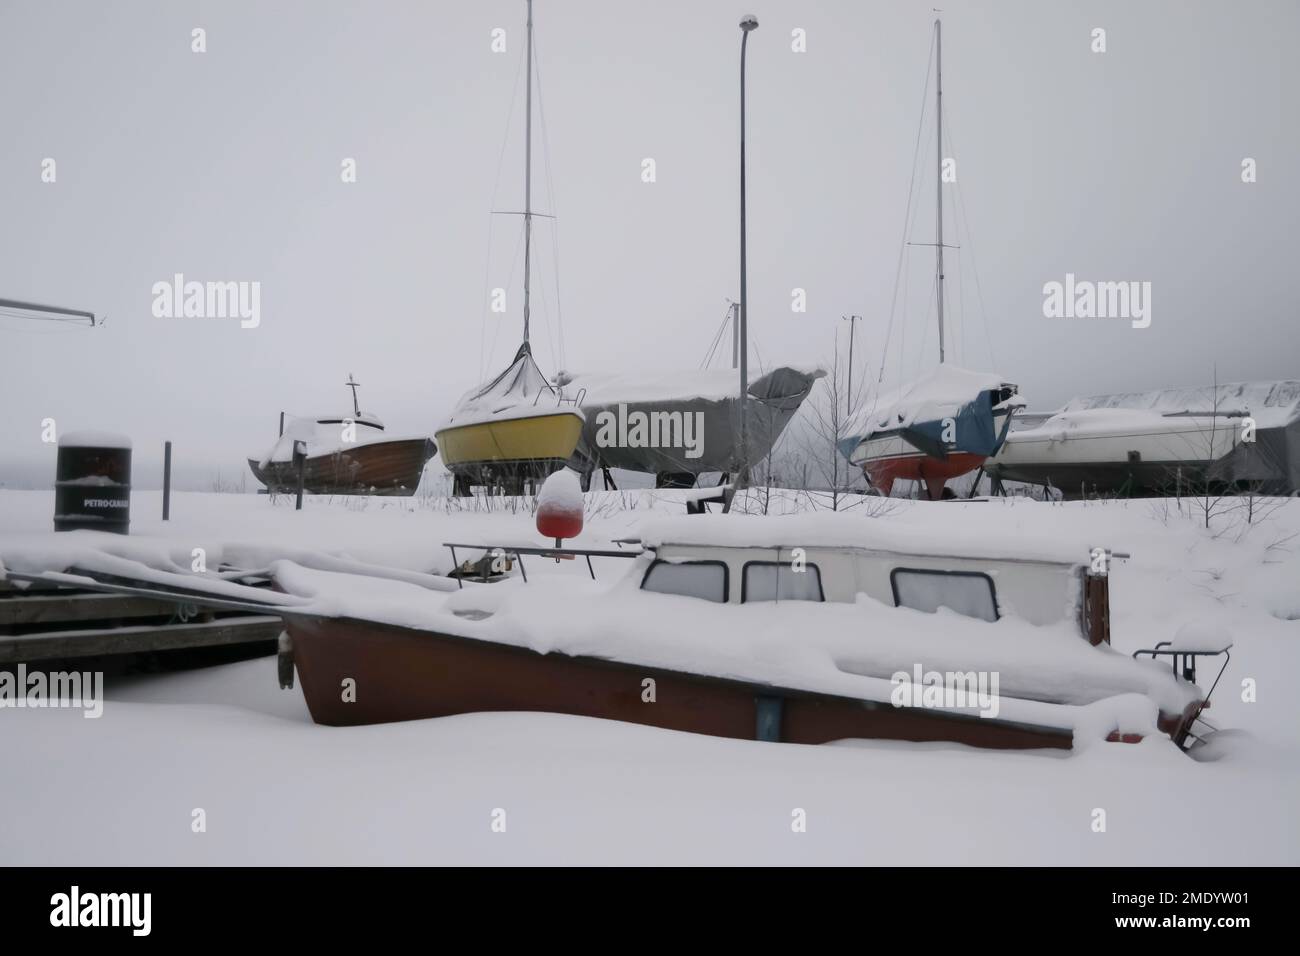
<point>939,174</point>
<point>528,175</point>
<point>747,25</point>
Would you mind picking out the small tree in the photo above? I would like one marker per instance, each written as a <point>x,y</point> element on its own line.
<point>1207,496</point>
<point>829,421</point>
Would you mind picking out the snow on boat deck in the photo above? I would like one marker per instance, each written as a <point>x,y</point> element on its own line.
<point>278,789</point>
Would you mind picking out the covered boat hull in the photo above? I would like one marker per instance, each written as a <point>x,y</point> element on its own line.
<point>615,408</point>
<point>407,674</point>
<point>375,468</point>
<point>1243,435</point>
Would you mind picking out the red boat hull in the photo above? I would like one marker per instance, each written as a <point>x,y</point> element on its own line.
<point>934,472</point>
<point>406,674</point>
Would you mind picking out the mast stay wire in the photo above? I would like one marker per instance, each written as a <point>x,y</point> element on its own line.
<point>717,340</point>
<point>970,242</point>
<point>487,259</point>
<point>908,215</point>
<point>514,263</point>
<point>554,222</point>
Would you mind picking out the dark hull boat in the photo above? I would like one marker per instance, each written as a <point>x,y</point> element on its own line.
<point>378,468</point>
<point>1019,658</point>
<point>408,674</point>
<point>672,646</point>
<point>342,455</point>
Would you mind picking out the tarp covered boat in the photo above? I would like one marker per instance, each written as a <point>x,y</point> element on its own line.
<point>1239,436</point>
<point>509,431</point>
<point>939,427</point>
<point>677,425</point>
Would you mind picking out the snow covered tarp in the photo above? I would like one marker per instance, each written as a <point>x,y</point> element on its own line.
<point>1243,435</point>
<point>202,566</point>
<point>848,529</point>
<point>1271,404</point>
<point>940,394</point>
<point>1271,463</point>
<point>324,436</point>
<point>640,421</point>
<point>920,411</point>
<point>521,391</point>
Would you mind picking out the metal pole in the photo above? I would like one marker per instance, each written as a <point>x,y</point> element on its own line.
<point>747,25</point>
<point>938,182</point>
<point>848,400</point>
<point>167,481</point>
<point>528,175</point>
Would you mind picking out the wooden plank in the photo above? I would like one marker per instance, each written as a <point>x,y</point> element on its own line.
<point>140,639</point>
<point>63,608</point>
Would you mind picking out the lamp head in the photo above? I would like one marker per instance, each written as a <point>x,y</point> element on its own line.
<point>749,22</point>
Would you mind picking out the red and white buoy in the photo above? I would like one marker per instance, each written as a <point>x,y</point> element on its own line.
<point>560,506</point>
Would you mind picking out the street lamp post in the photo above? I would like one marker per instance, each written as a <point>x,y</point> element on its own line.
<point>747,25</point>
<point>853,320</point>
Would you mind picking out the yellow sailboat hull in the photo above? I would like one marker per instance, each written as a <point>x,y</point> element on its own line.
<point>535,438</point>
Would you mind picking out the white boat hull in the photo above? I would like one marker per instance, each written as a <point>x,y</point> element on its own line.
<point>1085,452</point>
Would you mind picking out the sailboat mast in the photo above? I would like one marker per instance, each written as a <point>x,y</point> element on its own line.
<point>938,181</point>
<point>747,25</point>
<point>528,174</point>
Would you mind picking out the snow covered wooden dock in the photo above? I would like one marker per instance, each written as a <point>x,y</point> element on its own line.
<point>69,624</point>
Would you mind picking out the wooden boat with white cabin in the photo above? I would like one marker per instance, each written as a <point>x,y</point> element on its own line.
<point>794,630</point>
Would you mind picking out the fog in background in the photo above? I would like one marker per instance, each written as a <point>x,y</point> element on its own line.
<point>226,166</point>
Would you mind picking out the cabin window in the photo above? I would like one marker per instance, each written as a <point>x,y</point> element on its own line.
<point>966,592</point>
<point>779,581</point>
<point>699,579</point>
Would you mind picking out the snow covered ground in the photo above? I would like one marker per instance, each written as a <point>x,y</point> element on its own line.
<point>276,788</point>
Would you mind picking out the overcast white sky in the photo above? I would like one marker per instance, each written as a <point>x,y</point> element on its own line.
<point>225,166</point>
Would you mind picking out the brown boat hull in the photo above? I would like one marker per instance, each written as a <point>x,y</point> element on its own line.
<point>375,468</point>
<point>407,674</point>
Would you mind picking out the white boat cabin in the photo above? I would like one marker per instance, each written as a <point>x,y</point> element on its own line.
<point>1036,590</point>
